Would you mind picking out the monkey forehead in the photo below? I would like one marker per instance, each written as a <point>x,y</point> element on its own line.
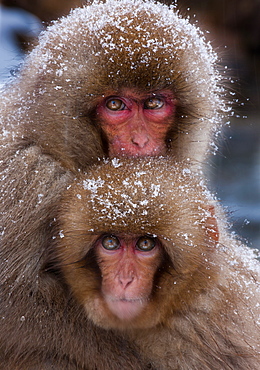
<point>139,195</point>
<point>117,41</point>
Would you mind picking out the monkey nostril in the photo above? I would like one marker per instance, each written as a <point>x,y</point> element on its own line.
<point>140,140</point>
<point>125,281</point>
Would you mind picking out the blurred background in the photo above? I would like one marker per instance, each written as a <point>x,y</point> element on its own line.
<point>234,30</point>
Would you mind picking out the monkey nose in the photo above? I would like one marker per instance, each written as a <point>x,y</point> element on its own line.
<point>125,281</point>
<point>140,139</point>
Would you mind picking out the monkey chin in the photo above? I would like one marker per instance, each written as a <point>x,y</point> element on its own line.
<point>124,309</point>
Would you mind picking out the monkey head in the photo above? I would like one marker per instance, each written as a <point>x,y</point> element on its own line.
<point>119,78</point>
<point>128,234</point>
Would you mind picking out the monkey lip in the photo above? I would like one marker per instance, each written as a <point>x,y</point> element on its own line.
<point>125,309</point>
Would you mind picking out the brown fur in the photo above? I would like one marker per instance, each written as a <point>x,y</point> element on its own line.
<point>34,305</point>
<point>204,309</point>
<point>52,104</point>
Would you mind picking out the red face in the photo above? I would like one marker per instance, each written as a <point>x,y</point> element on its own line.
<point>127,267</point>
<point>137,124</point>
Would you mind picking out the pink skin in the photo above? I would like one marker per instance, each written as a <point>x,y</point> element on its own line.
<point>137,124</point>
<point>127,276</point>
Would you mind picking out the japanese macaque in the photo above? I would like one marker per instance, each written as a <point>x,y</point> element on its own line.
<point>113,79</point>
<point>148,255</point>
<point>138,273</point>
<point>116,78</point>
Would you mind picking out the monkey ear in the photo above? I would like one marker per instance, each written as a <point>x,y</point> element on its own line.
<point>211,225</point>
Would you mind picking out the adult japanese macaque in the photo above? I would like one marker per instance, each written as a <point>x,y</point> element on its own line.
<point>120,78</point>
<point>138,273</point>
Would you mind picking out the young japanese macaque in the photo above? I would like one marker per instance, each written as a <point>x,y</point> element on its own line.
<point>144,253</point>
<point>136,271</point>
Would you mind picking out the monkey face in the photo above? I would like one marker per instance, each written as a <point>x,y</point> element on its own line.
<point>130,235</point>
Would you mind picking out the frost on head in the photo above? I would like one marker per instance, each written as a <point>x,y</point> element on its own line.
<point>131,194</point>
<point>107,47</point>
<point>122,26</point>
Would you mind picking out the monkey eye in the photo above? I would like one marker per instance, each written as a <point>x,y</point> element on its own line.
<point>153,103</point>
<point>145,243</point>
<point>115,104</point>
<point>110,242</point>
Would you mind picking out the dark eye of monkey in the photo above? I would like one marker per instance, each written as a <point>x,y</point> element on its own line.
<point>115,104</point>
<point>145,243</point>
<point>153,103</point>
<point>110,242</point>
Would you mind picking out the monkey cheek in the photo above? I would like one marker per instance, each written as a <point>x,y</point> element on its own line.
<point>125,309</point>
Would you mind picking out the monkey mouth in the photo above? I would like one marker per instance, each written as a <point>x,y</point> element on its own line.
<point>126,309</point>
